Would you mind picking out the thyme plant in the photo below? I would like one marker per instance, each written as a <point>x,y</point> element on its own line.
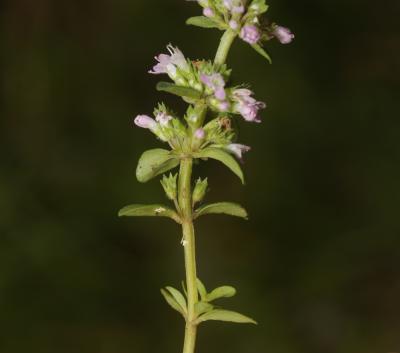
<point>205,132</point>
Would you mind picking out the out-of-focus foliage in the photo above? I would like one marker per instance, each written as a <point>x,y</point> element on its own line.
<point>318,261</point>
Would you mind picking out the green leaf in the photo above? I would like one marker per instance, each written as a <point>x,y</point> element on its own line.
<point>202,307</point>
<point>154,162</point>
<point>179,298</point>
<point>137,210</point>
<point>223,157</point>
<point>260,50</point>
<point>178,90</point>
<point>228,208</point>
<point>172,302</point>
<point>221,292</point>
<point>202,289</point>
<point>225,315</point>
<point>203,22</point>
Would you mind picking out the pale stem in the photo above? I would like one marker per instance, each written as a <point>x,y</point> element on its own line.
<point>185,205</point>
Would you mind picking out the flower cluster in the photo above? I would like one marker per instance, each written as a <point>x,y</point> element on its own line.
<point>210,82</point>
<point>244,19</point>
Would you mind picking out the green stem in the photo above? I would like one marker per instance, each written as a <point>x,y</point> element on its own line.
<point>224,46</point>
<point>185,205</point>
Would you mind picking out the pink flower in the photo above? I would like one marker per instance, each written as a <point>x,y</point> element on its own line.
<point>168,63</point>
<point>216,83</point>
<point>200,134</point>
<point>163,118</point>
<point>250,34</point>
<point>208,12</point>
<point>246,105</point>
<point>283,34</point>
<point>238,149</point>
<point>145,122</point>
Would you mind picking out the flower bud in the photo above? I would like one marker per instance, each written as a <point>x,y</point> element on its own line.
<point>169,185</point>
<point>145,122</point>
<point>250,34</point>
<point>208,12</point>
<point>200,134</point>
<point>200,190</point>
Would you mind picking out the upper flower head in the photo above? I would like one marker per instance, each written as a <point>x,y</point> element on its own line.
<point>283,34</point>
<point>250,34</point>
<point>169,63</point>
<point>216,83</point>
<point>246,105</point>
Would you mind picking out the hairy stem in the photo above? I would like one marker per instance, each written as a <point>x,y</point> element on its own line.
<point>185,205</point>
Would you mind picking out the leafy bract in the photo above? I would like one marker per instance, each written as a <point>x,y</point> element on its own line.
<point>180,91</point>
<point>154,162</point>
<point>201,289</point>
<point>202,307</point>
<point>228,208</point>
<point>225,315</point>
<point>260,50</point>
<point>172,302</point>
<point>179,298</point>
<point>137,210</point>
<point>203,22</point>
<point>223,157</point>
<point>221,292</point>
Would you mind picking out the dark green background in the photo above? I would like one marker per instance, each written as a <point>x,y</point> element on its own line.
<point>317,264</point>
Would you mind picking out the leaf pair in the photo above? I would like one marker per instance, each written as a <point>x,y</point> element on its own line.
<point>206,311</point>
<point>157,161</point>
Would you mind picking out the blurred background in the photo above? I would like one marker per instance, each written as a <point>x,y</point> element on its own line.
<point>317,264</point>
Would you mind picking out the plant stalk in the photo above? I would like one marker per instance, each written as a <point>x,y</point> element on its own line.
<point>185,205</point>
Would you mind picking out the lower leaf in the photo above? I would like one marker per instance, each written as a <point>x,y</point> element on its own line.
<point>225,315</point>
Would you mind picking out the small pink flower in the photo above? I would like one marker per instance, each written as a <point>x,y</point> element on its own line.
<point>168,64</point>
<point>283,34</point>
<point>163,118</point>
<point>208,12</point>
<point>145,122</point>
<point>250,34</point>
<point>200,134</point>
<point>246,105</point>
<point>216,83</point>
<point>235,6</point>
<point>238,149</point>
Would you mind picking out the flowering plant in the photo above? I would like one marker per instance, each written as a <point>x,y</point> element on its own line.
<point>205,132</point>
